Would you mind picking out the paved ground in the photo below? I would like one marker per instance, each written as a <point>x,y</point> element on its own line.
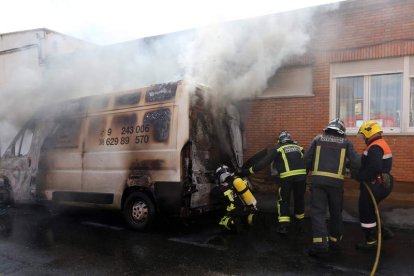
<point>396,210</point>
<point>93,242</point>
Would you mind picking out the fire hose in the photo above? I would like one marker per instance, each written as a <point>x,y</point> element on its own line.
<point>379,238</point>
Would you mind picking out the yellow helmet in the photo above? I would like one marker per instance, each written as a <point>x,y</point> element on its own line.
<point>369,128</point>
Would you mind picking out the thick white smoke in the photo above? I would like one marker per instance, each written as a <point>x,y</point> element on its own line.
<point>99,70</point>
<point>238,58</point>
<point>117,67</point>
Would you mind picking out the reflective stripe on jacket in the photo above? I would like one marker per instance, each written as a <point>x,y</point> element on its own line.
<point>319,170</point>
<point>383,145</point>
<point>376,158</point>
<point>326,158</point>
<point>293,162</point>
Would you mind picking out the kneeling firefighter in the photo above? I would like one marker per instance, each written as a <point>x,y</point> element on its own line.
<point>241,203</point>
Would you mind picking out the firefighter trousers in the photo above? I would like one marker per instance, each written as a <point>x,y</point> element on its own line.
<point>283,204</point>
<point>325,198</point>
<point>237,218</point>
<point>366,206</point>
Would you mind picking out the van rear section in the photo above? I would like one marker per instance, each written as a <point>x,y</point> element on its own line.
<point>147,151</point>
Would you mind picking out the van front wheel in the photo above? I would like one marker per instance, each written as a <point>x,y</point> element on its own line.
<point>139,211</point>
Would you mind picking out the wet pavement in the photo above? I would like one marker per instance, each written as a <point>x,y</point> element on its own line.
<point>74,241</point>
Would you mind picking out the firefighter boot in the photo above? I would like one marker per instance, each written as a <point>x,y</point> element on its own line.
<point>282,228</point>
<point>239,226</point>
<point>335,244</point>
<point>299,226</point>
<point>335,247</point>
<point>227,222</point>
<point>370,242</point>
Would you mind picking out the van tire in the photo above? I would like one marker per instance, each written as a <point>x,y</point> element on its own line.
<point>139,211</point>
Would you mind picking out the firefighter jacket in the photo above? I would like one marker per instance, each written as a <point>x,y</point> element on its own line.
<point>287,159</point>
<point>326,158</point>
<point>241,204</point>
<point>376,159</point>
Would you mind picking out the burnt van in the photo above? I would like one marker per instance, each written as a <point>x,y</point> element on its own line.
<point>145,152</point>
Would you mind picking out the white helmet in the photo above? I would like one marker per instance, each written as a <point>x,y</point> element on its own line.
<point>222,173</point>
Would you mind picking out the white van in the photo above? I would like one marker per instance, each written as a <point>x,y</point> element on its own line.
<point>146,151</point>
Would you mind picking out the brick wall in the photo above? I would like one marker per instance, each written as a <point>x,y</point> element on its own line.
<point>357,30</point>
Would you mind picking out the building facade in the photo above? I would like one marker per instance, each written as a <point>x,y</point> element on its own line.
<point>26,52</point>
<point>24,59</point>
<point>359,66</point>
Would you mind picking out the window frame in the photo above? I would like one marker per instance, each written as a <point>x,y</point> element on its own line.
<point>407,101</point>
<point>290,89</point>
<point>18,144</point>
<point>400,65</point>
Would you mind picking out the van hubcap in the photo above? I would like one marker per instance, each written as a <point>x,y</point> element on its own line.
<point>139,211</point>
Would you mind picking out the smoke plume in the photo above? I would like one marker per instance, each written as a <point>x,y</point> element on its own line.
<point>235,58</point>
<point>238,58</point>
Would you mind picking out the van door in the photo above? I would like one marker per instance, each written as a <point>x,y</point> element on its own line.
<point>236,139</point>
<point>60,164</point>
<point>16,166</point>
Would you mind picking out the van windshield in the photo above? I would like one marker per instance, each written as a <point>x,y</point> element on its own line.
<point>21,144</point>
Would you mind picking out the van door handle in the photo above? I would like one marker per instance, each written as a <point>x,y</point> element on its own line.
<point>30,161</point>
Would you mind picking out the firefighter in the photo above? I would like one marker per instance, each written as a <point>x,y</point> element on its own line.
<point>287,162</point>
<point>376,164</point>
<point>241,204</point>
<point>325,159</point>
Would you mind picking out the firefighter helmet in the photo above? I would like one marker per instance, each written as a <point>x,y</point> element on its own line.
<point>284,137</point>
<point>369,128</point>
<point>337,125</point>
<point>222,173</point>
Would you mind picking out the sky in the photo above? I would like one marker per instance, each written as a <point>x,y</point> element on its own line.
<point>113,21</point>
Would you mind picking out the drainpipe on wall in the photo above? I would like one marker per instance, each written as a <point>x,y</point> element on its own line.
<point>41,55</point>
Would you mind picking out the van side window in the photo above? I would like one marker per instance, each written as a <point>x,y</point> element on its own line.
<point>125,120</point>
<point>161,92</point>
<point>66,134</point>
<point>159,121</point>
<point>22,145</point>
<point>99,103</point>
<point>128,99</point>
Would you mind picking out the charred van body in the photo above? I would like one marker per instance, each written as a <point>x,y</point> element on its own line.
<point>146,151</point>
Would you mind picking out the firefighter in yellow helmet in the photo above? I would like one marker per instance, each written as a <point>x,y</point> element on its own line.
<point>325,158</point>
<point>376,164</point>
<point>241,203</point>
<point>288,165</point>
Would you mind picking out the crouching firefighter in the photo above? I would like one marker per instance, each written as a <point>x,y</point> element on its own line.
<point>241,203</point>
